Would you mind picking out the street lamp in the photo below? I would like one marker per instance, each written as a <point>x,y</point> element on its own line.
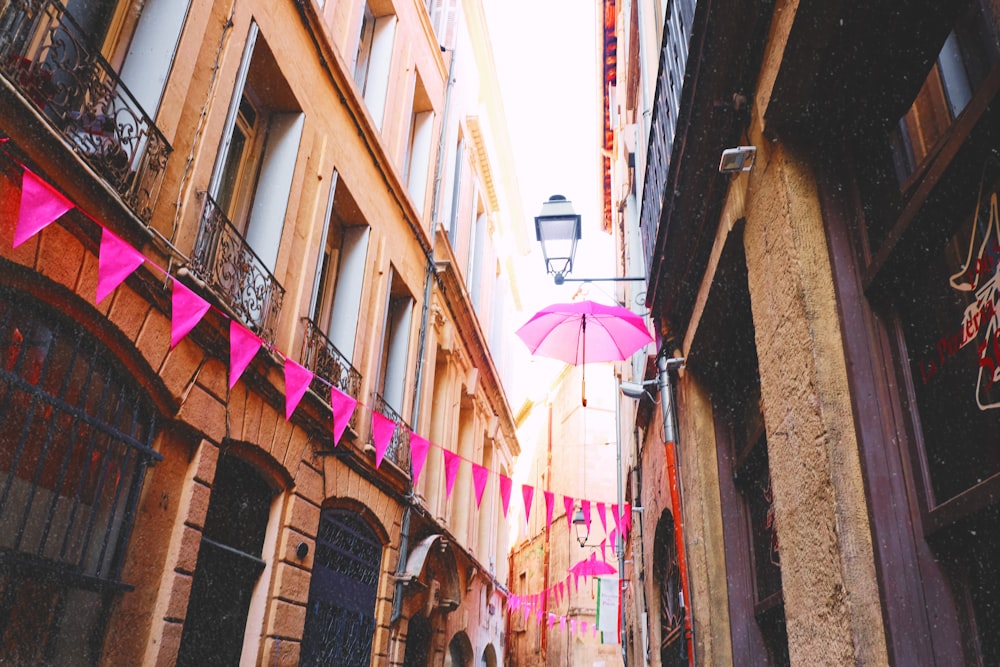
<point>558,229</point>
<point>581,527</point>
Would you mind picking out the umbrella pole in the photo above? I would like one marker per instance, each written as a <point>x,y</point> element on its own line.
<point>583,377</point>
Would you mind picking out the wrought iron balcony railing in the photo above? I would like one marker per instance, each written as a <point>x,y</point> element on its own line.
<point>324,359</point>
<point>666,106</point>
<point>399,447</point>
<point>224,261</point>
<point>47,56</point>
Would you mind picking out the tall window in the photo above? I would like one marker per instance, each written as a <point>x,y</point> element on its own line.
<point>416,162</point>
<point>395,344</point>
<point>75,434</point>
<point>259,146</point>
<point>444,18</point>
<point>962,65</point>
<point>938,281</point>
<point>456,193</point>
<point>342,272</point>
<point>229,563</point>
<point>373,59</point>
<point>340,620</point>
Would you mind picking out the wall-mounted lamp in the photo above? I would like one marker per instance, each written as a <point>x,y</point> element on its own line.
<point>581,527</point>
<point>558,229</point>
<point>737,159</point>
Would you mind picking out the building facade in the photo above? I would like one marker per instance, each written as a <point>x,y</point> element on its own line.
<point>253,275</point>
<point>834,304</point>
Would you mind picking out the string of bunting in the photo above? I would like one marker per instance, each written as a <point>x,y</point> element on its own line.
<point>41,204</point>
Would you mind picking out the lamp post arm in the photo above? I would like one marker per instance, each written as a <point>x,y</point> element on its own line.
<point>560,279</point>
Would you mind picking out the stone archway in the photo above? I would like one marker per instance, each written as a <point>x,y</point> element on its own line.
<point>459,651</point>
<point>489,656</point>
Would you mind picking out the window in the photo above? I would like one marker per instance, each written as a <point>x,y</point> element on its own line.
<point>416,162</point>
<point>938,298</point>
<point>229,564</point>
<point>337,302</point>
<point>260,145</point>
<point>364,54</point>
<point>444,18</point>
<point>373,59</point>
<point>395,344</point>
<point>456,194</point>
<point>478,261</point>
<point>340,618</point>
<point>960,68</point>
<point>75,434</point>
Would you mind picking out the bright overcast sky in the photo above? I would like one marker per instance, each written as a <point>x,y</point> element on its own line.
<point>548,61</point>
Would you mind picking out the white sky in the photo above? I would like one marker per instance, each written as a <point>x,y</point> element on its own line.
<point>548,63</point>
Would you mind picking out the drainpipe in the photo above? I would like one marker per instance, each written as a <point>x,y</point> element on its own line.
<point>664,365</point>
<point>404,536</point>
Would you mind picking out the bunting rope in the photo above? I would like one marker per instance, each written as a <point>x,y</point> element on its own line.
<point>41,204</point>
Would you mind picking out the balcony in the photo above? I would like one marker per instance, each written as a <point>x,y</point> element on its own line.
<point>324,359</point>
<point>48,58</point>
<point>224,261</point>
<point>666,105</point>
<point>399,447</point>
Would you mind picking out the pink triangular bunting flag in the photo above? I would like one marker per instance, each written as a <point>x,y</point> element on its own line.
<point>116,262</point>
<point>568,503</point>
<point>243,345</point>
<point>451,463</point>
<point>479,476</point>
<point>382,430</point>
<point>187,310</point>
<point>585,506</point>
<point>626,519</point>
<point>418,455</point>
<point>343,405</point>
<point>604,550</point>
<point>616,516</point>
<point>297,379</point>
<point>601,515</point>
<point>549,501</point>
<point>40,205</point>
<point>527,493</point>
<point>505,485</point>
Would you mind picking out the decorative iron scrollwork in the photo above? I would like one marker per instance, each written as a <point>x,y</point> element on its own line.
<point>49,58</point>
<point>224,261</point>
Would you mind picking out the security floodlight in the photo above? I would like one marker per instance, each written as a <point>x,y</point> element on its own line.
<point>737,159</point>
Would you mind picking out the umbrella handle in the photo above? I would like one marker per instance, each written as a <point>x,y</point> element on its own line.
<point>583,361</point>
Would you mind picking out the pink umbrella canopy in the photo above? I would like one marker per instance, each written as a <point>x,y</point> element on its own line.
<point>583,332</point>
<point>591,567</point>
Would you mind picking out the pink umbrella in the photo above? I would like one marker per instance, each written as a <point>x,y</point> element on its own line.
<point>591,567</point>
<point>583,332</point>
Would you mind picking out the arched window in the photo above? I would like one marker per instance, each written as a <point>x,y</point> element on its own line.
<point>75,433</point>
<point>340,620</point>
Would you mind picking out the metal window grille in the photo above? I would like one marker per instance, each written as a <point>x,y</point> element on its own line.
<point>340,621</point>
<point>75,434</point>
